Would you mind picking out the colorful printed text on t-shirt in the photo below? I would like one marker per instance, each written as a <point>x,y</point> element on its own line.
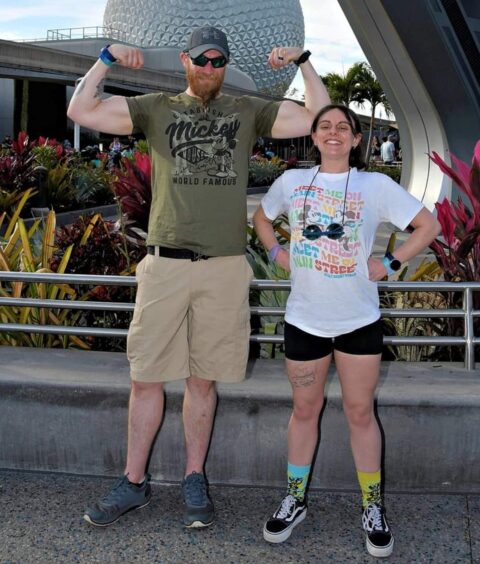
<point>322,207</point>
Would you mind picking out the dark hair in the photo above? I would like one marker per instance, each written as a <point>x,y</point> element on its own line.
<point>356,157</point>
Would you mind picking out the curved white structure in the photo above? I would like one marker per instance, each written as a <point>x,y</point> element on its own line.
<point>420,125</point>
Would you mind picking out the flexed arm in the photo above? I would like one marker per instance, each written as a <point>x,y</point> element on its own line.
<point>110,115</point>
<point>294,120</point>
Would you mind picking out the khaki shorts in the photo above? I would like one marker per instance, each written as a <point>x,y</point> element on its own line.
<point>190,318</point>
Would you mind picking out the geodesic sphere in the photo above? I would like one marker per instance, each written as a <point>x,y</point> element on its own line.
<point>253,29</point>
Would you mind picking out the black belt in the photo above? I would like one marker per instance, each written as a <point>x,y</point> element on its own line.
<point>168,252</point>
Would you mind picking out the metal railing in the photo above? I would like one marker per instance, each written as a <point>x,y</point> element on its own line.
<point>85,33</point>
<point>467,312</point>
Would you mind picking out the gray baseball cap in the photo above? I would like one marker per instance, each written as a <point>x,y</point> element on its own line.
<point>204,38</point>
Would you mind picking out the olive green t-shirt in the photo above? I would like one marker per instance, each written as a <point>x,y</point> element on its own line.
<point>200,167</point>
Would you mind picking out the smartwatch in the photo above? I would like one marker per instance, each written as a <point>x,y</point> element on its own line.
<point>391,263</point>
<point>303,57</point>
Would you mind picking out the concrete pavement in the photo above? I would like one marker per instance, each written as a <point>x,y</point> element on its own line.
<point>41,523</point>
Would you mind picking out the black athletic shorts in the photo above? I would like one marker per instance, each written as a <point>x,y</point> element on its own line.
<point>300,345</point>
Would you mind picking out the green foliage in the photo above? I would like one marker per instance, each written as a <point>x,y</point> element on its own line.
<point>100,247</point>
<point>346,88</point>
<point>142,146</point>
<point>427,271</point>
<point>60,193</point>
<point>359,84</point>
<point>17,175</point>
<point>262,172</point>
<point>90,245</point>
<point>70,182</point>
<point>46,156</point>
<point>394,172</point>
<point>30,250</point>
<point>133,189</point>
<point>458,252</point>
<point>103,251</point>
<point>92,185</point>
<point>264,269</point>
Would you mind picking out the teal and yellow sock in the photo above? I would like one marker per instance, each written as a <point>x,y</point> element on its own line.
<point>297,480</point>
<point>370,486</point>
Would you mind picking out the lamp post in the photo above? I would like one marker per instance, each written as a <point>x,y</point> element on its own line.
<point>76,126</point>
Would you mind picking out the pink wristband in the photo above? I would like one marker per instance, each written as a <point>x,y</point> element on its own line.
<point>273,252</point>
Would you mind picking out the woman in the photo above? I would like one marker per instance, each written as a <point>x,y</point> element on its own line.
<point>375,149</point>
<point>333,308</point>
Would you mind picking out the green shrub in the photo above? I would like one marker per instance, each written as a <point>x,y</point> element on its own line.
<point>395,172</point>
<point>262,172</point>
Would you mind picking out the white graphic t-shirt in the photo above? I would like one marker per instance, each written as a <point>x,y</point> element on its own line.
<point>331,293</point>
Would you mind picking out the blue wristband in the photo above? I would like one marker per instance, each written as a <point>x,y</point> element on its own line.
<point>106,57</point>
<point>388,268</point>
<point>273,252</point>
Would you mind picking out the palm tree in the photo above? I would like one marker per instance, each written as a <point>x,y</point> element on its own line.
<point>370,90</point>
<point>359,85</point>
<point>344,89</point>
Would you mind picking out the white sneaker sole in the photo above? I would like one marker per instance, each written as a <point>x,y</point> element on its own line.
<point>198,524</point>
<point>379,552</point>
<point>284,535</point>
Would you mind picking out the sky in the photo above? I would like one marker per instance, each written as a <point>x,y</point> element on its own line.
<point>327,32</point>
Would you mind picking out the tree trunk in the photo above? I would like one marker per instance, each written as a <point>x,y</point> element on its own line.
<point>370,131</point>
<point>24,109</point>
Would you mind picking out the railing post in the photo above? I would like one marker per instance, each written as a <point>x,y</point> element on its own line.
<point>469,330</point>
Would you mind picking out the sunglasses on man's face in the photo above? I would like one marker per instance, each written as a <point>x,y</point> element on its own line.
<point>202,60</point>
<point>333,231</point>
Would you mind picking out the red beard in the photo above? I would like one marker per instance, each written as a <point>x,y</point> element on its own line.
<point>205,86</point>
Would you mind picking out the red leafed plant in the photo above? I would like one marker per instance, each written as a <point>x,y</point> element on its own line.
<point>459,253</point>
<point>16,165</point>
<point>133,190</point>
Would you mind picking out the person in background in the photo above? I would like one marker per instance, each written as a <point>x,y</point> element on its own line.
<point>375,153</point>
<point>7,142</point>
<point>115,145</point>
<point>192,317</point>
<point>270,153</point>
<point>332,312</point>
<point>387,150</point>
<point>292,161</point>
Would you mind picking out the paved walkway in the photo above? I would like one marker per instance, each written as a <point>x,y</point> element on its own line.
<point>41,522</point>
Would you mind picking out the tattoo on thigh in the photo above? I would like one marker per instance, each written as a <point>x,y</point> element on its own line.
<point>99,89</point>
<point>303,379</point>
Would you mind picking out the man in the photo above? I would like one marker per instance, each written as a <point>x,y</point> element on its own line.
<point>191,316</point>
<point>387,150</point>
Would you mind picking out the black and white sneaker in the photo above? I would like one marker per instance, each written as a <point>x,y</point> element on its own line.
<point>289,514</point>
<point>379,536</point>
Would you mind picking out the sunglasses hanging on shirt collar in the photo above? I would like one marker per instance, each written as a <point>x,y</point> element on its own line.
<point>334,230</point>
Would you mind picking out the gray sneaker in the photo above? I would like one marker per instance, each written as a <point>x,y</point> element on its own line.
<point>123,497</point>
<point>199,510</point>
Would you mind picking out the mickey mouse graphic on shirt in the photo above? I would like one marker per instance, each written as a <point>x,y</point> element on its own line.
<point>201,145</point>
<point>222,157</point>
<point>350,227</point>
